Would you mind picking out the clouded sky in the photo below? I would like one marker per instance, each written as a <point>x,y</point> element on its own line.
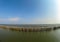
<point>29,11</point>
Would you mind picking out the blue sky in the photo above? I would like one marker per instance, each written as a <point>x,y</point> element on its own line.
<point>28,11</point>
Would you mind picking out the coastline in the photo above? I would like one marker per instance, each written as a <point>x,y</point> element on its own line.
<point>29,28</point>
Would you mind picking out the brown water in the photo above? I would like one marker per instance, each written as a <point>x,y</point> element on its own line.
<point>15,36</point>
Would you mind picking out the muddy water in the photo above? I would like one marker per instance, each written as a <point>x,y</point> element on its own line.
<point>15,36</point>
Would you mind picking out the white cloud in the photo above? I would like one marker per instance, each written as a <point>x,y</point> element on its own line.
<point>10,19</point>
<point>17,20</point>
<point>14,19</point>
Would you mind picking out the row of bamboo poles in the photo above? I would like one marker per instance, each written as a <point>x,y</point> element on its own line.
<point>29,29</point>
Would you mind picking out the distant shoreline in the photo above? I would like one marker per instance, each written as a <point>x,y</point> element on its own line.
<point>30,28</point>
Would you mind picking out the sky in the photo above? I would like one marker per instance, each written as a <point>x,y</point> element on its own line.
<point>29,11</point>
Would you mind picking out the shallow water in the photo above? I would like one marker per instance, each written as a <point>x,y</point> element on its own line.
<point>15,36</point>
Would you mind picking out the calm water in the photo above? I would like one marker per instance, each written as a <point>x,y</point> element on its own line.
<point>15,36</point>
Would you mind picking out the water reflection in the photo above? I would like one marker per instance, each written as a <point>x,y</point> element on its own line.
<point>15,36</point>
